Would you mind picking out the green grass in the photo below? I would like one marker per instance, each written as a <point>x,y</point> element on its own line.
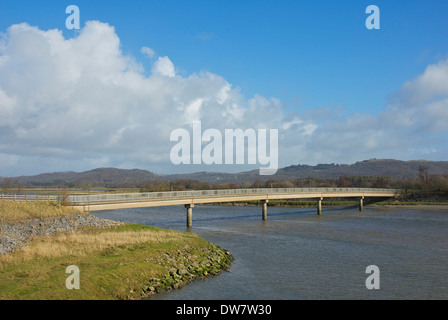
<point>111,266</point>
<point>412,203</point>
<point>292,203</point>
<point>312,203</point>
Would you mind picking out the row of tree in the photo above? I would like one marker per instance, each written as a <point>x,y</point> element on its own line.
<point>425,186</point>
<point>9,186</point>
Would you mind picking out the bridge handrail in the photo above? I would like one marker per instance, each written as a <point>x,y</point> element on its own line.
<point>221,192</point>
<point>30,197</point>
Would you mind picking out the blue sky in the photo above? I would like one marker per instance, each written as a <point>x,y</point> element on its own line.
<point>310,55</point>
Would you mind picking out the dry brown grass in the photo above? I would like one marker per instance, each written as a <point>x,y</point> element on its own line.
<point>16,211</point>
<point>70,244</point>
<point>12,211</point>
<point>116,263</point>
<point>82,244</point>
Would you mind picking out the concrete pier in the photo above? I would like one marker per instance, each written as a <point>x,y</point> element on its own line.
<point>189,208</point>
<point>319,206</point>
<point>361,204</point>
<point>264,210</point>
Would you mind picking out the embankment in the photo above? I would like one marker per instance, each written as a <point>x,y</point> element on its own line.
<point>116,260</point>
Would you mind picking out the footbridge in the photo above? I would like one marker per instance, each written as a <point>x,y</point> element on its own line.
<point>189,199</point>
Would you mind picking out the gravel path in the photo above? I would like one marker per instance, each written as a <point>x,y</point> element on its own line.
<point>14,236</point>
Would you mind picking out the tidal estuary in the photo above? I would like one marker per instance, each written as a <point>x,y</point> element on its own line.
<point>297,255</point>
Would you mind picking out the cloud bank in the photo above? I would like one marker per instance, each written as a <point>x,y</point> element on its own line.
<point>81,103</point>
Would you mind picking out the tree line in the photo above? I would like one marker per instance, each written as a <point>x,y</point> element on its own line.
<point>424,187</point>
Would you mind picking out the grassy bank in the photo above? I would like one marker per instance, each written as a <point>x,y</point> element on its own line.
<point>411,203</point>
<point>312,203</point>
<point>124,262</point>
<point>289,203</point>
<point>12,211</point>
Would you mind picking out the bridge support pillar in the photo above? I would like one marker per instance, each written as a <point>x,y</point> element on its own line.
<point>319,206</point>
<point>189,208</point>
<point>264,209</point>
<point>361,204</point>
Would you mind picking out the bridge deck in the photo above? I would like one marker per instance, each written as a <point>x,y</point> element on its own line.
<point>98,202</point>
<point>155,199</point>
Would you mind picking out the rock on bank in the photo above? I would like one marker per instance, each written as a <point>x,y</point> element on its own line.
<point>15,235</point>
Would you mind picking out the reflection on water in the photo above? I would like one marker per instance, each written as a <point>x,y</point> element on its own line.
<point>297,254</point>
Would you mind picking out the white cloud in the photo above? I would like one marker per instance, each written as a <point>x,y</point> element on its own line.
<point>164,67</point>
<point>432,83</point>
<point>82,100</point>
<point>81,103</point>
<point>423,101</point>
<point>148,52</point>
<point>414,125</point>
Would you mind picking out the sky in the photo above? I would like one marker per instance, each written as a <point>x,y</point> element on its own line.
<point>111,93</point>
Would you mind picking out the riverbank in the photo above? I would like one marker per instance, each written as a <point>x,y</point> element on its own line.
<point>116,260</point>
<point>339,203</point>
<point>411,206</point>
<point>286,203</point>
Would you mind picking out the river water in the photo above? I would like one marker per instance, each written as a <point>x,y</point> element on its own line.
<point>298,255</point>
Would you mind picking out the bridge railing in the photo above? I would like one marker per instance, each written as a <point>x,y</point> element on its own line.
<point>223,192</point>
<point>30,197</point>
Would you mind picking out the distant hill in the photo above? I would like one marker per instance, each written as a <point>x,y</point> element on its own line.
<point>373,168</point>
<point>101,177</point>
<point>114,178</point>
